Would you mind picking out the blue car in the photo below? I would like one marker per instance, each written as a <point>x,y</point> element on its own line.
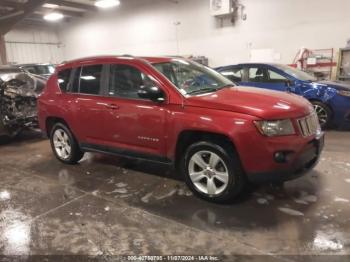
<point>331,100</point>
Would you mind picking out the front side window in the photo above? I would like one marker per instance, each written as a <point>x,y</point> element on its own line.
<point>192,78</point>
<point>126,81</point>
<point>31,69</point>
<point>63,79</point>
<point>90,79</point>
<point>258,74</point>
<point>234,74</point>
<point>275,77</point>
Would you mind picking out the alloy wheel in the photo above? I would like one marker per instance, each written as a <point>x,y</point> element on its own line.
<point>322,114</point>
<point>208,172</point>
<point>62,144</point>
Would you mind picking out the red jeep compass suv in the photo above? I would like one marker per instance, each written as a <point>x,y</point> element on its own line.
<point>175,111</point>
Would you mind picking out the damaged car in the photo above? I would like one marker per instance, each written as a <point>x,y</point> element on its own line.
<point>18,99</point>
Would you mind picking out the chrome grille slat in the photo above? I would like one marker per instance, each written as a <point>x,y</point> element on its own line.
<point>308,125</point>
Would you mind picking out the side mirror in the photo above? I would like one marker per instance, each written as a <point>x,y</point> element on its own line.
<point>153,93</point>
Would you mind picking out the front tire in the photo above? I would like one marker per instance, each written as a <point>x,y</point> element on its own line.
<point>213,172</point>
<point>64,145</point>
<point>8,134</point>
<point>323,112</point>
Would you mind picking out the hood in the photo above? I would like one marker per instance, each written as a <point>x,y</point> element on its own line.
<point>338,85</point>
<point>262,103</point>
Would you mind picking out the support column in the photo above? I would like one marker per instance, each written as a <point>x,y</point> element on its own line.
<point>3,56</point>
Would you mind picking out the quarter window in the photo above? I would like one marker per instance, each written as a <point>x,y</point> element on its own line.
<point>126,81</point>
<point>63,79</point>
<point>90,79</point>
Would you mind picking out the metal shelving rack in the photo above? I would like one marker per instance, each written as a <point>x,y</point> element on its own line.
<point>343,70</point>
<point>318,62</point>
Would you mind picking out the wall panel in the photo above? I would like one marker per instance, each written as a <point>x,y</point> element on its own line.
<point>33,45</point>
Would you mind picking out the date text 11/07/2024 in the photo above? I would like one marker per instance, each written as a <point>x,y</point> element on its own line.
<point>173,258</point>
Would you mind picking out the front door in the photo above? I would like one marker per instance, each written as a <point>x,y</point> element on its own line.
<point>134,124</point>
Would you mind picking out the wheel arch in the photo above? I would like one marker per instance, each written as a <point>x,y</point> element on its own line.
<point>323,102</point>
<point>189,137</point>
<point>51,121</point>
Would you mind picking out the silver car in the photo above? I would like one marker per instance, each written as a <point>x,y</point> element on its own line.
<point>18,95</point>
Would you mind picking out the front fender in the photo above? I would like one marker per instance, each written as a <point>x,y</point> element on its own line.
<point>318,92</point>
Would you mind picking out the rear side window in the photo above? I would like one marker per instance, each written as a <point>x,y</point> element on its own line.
<point>63,79</point>
<point>90,79</point>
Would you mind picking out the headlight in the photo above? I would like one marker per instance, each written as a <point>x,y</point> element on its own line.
<point>344,93</point>
<point>275,127</point>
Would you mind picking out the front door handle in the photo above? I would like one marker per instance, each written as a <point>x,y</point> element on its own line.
<point>109,106</point>
<point>112,106</point>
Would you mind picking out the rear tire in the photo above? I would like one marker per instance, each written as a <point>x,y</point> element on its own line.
<point>64,145</point>
<point>323,112</point>
<point>213,171</point>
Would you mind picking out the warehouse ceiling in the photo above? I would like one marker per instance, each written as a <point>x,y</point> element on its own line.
<point>31,12</point>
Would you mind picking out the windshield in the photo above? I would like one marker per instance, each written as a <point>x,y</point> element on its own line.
<point>301,75</point>
<point>192,78</point>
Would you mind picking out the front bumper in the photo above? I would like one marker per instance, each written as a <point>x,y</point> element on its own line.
<point>305,161</point>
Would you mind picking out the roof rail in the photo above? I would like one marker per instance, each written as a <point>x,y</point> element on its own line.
<point>92,57</point>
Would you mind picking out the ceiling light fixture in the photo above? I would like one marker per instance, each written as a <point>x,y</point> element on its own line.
<point>51,6</point>
<point>54,16</point>
<point>107,3</point>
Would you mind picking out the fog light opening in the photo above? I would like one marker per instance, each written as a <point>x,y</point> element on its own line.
<point>280,157</point>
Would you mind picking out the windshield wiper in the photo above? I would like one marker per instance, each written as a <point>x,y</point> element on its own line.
<point>226,86</point>
<point>204,90</point>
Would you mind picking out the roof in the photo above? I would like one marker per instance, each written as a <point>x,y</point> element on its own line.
<point>247,64</point>
<point>259,63</point>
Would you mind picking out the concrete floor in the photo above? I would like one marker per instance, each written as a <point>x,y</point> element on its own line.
<point>110,206</point>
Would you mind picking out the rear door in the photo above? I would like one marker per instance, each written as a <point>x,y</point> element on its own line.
<point>89,106</point>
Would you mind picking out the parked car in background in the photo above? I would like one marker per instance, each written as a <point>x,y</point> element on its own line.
<point>331,100</point>
<point>45,70</point>
<point>179,112</point>
<point>18,98</point>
